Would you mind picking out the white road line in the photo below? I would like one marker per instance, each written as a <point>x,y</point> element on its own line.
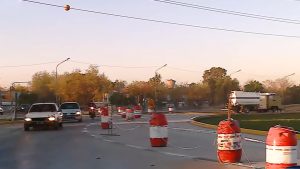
<point>254,140</point>
<point>176,154</point>
<point>134,146</point>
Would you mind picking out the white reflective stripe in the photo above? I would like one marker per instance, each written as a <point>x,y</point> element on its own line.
<point>229,141</point>
<point>105,119</point>
<point>137,112</point>
<point>281,154</point>
<point>150,110</point>
<point>158,132</point>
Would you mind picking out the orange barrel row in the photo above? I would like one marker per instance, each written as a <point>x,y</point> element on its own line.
<point>158,130</point>
<point>281,148</point>
<point>229,148</point>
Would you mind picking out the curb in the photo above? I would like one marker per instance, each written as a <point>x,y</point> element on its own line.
<point>11,122</point>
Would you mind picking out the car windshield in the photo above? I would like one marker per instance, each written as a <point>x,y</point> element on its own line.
<point>43,108</point>
<point>69,106</point>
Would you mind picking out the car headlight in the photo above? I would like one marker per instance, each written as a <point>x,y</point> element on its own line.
<point>92,108</point>
<point>28,119</point>
<point>51,118</point>
<point>78,113</point>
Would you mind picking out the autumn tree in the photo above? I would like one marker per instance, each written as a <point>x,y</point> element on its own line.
<point>278,86</point>
<point>196,93</point>
<point>159,87</point>
<point>43,86</point>
<point>84,87</point>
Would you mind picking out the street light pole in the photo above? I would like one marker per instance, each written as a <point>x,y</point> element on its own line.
<point>235,72</point>
<point>56,97</point>
<point>155,87</point>
<point>288,75</point>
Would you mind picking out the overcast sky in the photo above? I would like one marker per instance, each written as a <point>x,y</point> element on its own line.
<point>35,34</point>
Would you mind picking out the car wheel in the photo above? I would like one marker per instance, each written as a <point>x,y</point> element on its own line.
<point>80,120</point>
<point>26,128</point>
<point>56,126</point>
<point>61,125</point>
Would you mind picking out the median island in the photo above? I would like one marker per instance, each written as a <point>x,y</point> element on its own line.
<point>257,121</point>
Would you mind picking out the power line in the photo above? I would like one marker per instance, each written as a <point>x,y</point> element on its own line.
<point>115,66</point>
<point>184,70</point>
<point>35,64</point>
<point>230,12</point>
<point>167,22</point>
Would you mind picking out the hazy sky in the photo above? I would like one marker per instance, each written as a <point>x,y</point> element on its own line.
<point>34,34</point>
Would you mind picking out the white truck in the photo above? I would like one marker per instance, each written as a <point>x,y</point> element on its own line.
<point>241,101</point>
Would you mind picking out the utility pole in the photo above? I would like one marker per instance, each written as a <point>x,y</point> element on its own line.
<point>155,87</point>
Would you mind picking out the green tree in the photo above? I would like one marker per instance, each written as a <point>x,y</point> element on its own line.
<point>292,95</point>
<point>211,78</point>
<point>254,86</point>
<point>84,87</point>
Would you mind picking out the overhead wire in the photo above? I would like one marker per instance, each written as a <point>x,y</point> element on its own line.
<point>166,22</point>
<point>230,12</point>
<point>35,64</point>
<point>114,66</point>
<point>184,70</point>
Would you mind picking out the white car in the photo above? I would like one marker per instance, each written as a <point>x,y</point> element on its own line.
<point>43,114</point>
<point>71,111</point>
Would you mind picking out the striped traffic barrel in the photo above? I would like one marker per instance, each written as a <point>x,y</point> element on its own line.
<point>137,111</point>
<point>105,118</point>
<point>158,130</point>
<point>229,148</point>
<point>281,147</point>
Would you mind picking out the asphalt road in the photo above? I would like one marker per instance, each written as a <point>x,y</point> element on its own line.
<point>86,145</point>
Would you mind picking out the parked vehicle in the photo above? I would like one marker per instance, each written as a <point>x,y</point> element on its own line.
<point>23,108</point>
<point>246,101</point>
<point>43,114</point>
<point>71,111</point>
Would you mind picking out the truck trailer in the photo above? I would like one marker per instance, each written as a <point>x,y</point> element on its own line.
<point>241,101</point>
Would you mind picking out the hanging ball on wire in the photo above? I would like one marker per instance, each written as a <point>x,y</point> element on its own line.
<point>67,7</point>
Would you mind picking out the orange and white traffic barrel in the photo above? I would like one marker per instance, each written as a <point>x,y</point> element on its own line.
<point>229,141</point>
<point>171,110</point>
<point>158,130</point>
<point>105,118</point>
<point>129,114</point>
<point>150,110</point>
<point>123,112</point>
<point>281,147</point>
<point>137,111</point>
<point>120,110</point>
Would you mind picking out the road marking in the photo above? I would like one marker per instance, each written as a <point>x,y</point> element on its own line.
<point>176,154</point>
<point>134,146</point>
